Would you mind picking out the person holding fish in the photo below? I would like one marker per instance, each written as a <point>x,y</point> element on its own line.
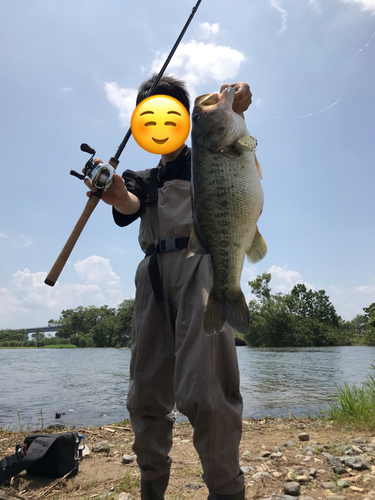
<point>178,355</point>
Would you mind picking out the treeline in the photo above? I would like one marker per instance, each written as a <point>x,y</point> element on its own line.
<point>83,327</point>
<point>301,318</point>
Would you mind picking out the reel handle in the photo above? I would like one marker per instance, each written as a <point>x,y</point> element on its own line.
<point>72,240</point>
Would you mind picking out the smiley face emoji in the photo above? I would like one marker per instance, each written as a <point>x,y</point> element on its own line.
<point>160,124</point>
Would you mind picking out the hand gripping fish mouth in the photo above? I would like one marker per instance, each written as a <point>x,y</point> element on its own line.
<point>227,202</point>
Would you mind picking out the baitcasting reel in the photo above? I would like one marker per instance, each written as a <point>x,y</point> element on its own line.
<point>101,175</point>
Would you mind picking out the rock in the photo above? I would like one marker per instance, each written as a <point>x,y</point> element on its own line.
<point>341,483</point>
<point>356,489</point>
<point>302,479</point>
<point>277,475</point>
<point>293,489</point>
<point>321,471</point>
<point>266,454</point>
<point>358,441</point>
<point>303,436</point>
<point>276,455</point>
<point>336,497</point>
<point>194,486</point>
<point>334,463</point>
<point>246,453</point>
<point>328,485</point>
<point>260,475</point>
<point>313,472</point>
<point>247,468</point>
<point>306,498</point>
<point>289,444</point>
<point>128,459</point>
<point>357,463</point>
<point>101,447</point>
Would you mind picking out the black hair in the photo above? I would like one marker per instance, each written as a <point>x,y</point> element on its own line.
<point>168,85</point>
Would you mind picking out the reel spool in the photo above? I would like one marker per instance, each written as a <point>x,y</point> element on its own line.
<point>101,175</point>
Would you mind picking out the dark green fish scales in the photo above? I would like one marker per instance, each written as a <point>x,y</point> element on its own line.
<point>227,202</point>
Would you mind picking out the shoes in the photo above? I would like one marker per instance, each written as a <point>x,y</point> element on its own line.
<point>154,490</point>
<point>234,496</point>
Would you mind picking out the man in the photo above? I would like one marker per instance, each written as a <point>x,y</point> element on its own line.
<point>173,360</point>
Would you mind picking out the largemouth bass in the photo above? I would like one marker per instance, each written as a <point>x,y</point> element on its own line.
<point>227,201</point>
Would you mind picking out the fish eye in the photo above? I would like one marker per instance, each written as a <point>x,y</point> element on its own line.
<point>170,124</point>
<point>150,124</point>
<point>196,117</point>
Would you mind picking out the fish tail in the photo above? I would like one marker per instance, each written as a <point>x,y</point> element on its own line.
<point>214,318</point>
<point>235,312</point>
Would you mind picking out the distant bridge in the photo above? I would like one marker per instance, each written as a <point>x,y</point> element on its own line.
<point>43,328</point>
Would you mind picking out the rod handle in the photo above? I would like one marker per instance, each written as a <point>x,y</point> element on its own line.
<point>61,260</point>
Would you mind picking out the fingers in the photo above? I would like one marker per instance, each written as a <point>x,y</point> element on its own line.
<point>242,97</point>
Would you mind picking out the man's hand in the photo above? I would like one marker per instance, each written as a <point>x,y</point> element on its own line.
<point>242,97</point>
<point>117,195</point>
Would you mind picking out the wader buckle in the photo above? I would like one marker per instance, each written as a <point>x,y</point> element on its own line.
<point>167,245</point>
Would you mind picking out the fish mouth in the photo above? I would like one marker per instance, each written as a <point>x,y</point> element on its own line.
<point>160,141</point>
<point>207,99</point>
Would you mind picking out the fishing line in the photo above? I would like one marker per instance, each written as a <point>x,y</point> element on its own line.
<point>336,102</point>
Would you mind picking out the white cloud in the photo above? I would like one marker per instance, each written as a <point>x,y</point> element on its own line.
<point>198,62</point>
<point>276,4</point>
<point>283,279</point>
<point>123,99</point>
<point>29,302</point>
<point>366,289</point>
<point>3,235</point>
<point>208,29</point>
<point>364,4</point>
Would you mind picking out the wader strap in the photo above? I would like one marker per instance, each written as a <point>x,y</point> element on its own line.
<point>152,251</point>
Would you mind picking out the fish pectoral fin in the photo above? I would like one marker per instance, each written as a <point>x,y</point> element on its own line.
<point>258,248</point>
<point>245,144</point>
<point>258,167</point>
<point>194,245</point>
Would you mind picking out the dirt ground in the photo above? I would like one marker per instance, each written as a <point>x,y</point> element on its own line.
<point>104,475</point>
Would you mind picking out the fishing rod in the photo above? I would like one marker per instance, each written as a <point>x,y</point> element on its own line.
<point>102,175</point>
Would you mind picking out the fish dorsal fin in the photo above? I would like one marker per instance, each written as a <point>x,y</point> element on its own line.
<point>194,245</point>
<point>258,167</point>
<point>258,248</point>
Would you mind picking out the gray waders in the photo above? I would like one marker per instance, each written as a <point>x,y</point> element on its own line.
<point>174,361</point>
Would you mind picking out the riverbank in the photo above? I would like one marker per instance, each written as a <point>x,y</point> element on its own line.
<point>304,466</point>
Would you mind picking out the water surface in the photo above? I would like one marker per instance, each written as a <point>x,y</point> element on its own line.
<point>90,385</point>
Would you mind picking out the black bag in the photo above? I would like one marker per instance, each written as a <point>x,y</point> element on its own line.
<point>48,455</point>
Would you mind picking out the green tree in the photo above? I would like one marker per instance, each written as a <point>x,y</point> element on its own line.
<point>124,315</point>
<point>82,320</point>
<point>300,318</point>
<point>38,335</point>
<point>260,286</point>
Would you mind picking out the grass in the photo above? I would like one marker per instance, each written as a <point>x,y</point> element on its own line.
<point>354,406</point>
<point>128,484</point>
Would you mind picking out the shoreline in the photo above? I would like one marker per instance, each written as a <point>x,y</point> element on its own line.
<point>267,463</point>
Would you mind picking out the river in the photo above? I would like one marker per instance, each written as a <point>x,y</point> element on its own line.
<point>90,385</point>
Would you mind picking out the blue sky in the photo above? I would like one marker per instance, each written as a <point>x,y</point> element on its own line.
<point>69,75</point>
